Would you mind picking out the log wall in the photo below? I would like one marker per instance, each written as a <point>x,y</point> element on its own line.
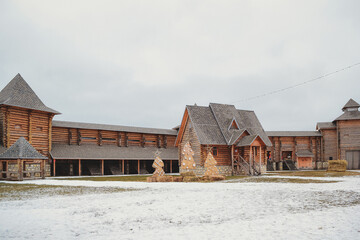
<point>189,135</point>
<point>349,136</point>
<point>34,126</point>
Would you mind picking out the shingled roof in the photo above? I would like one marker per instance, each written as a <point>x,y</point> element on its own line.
<point>108,127</point>
<point>107,152</point>
<point>348,114</point>
<point>293,133</point>
<point>21,149</point>
<point>18,93</point>
<point>351,104</point>
<point>212,124</point>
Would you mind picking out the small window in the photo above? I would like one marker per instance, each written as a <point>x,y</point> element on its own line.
<point>17,126</point>
<point>215,151</point>
<point>39,129</point>
<point>330,158</point>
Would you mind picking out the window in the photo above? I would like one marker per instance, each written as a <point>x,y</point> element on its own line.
<point>215,151</point>
<point>330,158</point>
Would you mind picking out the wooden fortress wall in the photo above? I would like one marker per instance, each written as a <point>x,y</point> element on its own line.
<point>348,137</point>
<point>72,136</point>
<point>34,126</point>
<point>294,144</point>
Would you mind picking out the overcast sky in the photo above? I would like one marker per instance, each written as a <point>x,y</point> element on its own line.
<point>140,63</point>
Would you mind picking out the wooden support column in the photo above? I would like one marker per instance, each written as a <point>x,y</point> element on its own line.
<point>260,160</point>
<point>78,137</point>
<point>126,140</point>
<point>118,140</point>
<point>138,166</point>
<point>99,138</point>
<point>102,166</point>
<point>30,127</point>
<point>7,113</point>
<point>232,160</point>
<point>170,166</point>
<point>123,166</point>
<point>79,167</point>
<point>54,167</point>
<point>165,141</point>
<point>69,136</point>
<point>50,131</point>
<point>158,141</point>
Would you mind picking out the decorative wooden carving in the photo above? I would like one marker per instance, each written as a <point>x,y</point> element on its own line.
<point>210,165</point>
<point>187,159</point>
<point>158,164</point>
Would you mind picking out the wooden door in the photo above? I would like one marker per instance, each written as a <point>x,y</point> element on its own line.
<point>353,159</point>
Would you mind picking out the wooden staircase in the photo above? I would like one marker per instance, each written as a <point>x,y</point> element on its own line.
<point>242,167</point>
<point>290,164</point>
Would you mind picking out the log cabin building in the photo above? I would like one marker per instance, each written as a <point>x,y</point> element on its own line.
<point>236,138</point>
<point>72,148</point>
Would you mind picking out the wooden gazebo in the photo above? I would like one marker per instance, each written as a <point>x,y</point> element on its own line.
<point>22,161</point>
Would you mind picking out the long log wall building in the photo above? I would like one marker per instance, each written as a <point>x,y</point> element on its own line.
<point>33,145</point>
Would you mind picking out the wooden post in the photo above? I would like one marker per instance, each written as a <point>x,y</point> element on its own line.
<point>232,160</point>
<point>99,138</point>
<point>54,167</point>
<point>7,113</point>
<point>118,141</point>
<point>138,166</point>
<point>30,127</point>
<point>170,166</point>
<point>50,131</point>
<point>123,166</point>
<point>79,167</point>
<point>260,159</point>
<point>102,167</point>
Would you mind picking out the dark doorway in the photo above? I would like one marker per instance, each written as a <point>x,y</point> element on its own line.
<point>91,167</point>
<point>112,167</point>
<point>353,159</point>
<point>67,167</point>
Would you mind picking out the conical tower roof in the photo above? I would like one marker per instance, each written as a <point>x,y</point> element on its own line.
<point>19,94</point>
<point>351,104</point>
<point>21,149</point>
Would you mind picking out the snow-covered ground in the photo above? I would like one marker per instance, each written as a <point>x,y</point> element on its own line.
<point>232,210</point>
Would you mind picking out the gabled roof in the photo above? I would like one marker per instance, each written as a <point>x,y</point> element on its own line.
<point>18,93</point>
<point>247,140</point>
<point>107,152</point>
<point>211,124</point>
<point>325,125</point>
<point>351,104</point>
<point>21,149</point>
<point>108,127</point>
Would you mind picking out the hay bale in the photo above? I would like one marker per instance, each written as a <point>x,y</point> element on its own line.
<point>217,177</point>
<point>164,179</point>
<point>178,179</point>
<point>191,179</point>
<point>188,174</point>
<point>337,165</point>
<point>151,179</point>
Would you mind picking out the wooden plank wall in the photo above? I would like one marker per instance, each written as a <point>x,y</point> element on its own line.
<point>349,136</point>
<point>70,136</point>
<point>223,157</point>
<point>2,126</point>
<point>294,144</point>
<point>189,135</point>
<point>32,125</point>
<point>329,146</point>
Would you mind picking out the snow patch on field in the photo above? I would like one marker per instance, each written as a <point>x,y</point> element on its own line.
<point>189,211</point>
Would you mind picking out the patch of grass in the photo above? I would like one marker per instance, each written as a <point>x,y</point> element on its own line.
<point>316,173</point>
<point>283,180</point>
<point>10,191</point>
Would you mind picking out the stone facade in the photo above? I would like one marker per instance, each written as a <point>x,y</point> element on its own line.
<point>200,171</point>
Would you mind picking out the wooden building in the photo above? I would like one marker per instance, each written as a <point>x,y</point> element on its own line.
<point>74,149</point>
<point>22,161</point>
<point>235,137</point>
<point>293,150</point>
<point>341,137</point>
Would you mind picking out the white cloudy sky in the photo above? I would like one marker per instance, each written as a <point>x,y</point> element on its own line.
<point>140,62</point>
